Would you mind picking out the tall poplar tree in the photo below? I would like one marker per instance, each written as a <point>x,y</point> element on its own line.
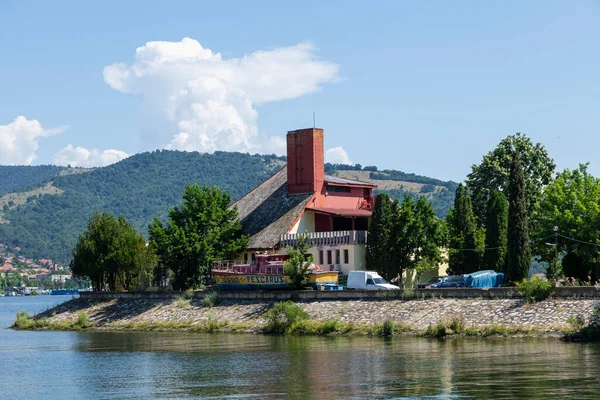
<point>466,241</point>
<point>496,227</point>
<point>379,234</point>
<point>519,254</point>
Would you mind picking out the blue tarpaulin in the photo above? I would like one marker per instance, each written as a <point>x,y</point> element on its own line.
<point>484,279</point>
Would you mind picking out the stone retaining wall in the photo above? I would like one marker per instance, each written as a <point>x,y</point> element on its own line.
<point>116,313</point>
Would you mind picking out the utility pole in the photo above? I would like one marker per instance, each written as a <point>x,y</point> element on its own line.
<point>555,229</point>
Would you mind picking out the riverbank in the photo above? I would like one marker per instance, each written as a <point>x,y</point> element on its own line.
<point>433,317</point>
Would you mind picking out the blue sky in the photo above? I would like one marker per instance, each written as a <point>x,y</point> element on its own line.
<point>424,87</point>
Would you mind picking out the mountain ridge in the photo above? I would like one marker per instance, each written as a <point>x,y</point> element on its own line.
<point>49,210</point>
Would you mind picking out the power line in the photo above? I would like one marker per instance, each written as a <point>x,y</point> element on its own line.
<point>496,248</point>
<point>579,241</point>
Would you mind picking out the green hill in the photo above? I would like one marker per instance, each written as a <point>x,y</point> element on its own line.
<point>15,178</point>
<point>45,220</point>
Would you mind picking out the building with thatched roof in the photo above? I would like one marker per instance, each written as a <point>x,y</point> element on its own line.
<point>300,198</point>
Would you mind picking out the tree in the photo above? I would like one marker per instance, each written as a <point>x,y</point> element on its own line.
<point>518,252</point>
<point>111,253</point>
<point>402,236</point>
<point>572,204</point>
<point>466,241</point>
<point>379,235</point>
<point>204,229</point>
<point>48,284</point>
<point>297,264</point>
<point>493,173</point>
<point>426,237</point>
<point>496,227</point>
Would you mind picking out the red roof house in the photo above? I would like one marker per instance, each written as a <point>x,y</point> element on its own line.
<point>301,198</point>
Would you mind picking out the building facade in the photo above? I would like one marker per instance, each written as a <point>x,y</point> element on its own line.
<point>301,199</point>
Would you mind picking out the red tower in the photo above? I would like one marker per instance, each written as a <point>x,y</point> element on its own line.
<point>305,161</point>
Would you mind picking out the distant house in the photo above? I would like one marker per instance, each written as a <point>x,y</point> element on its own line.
<point>300,198</point>
<point>6,268</point>
<point>60,278</point>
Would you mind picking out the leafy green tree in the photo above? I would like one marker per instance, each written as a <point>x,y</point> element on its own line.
<point>572,204</point>
<point>496,227</point>
<point>379,235</point>
<point>408,235</point>
<point>204,229</point>
<point>466,241</point>
<point>416,237</point>
<point>297,264</point>
<point>494,172</point>
<point>48,284</point>
<point>518,251</point>
<point>111,253</point>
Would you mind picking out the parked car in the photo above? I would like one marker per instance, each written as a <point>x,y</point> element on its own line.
<point>456,281</point>
<point>368,280</point>
<point>429,282</point>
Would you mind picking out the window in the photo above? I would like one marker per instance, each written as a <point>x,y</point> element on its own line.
<point>370,281</point>
<point>342,189</point>
<point>329,257</point>
<point>253,257</point>
<point>245,258</point>
<point>337,256</point>
<point>346,256</point>
<point>321,257</point>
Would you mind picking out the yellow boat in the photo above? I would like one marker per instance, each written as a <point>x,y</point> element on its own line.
<point>266,273</point>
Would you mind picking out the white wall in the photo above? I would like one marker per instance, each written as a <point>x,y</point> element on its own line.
<point>305,224</point>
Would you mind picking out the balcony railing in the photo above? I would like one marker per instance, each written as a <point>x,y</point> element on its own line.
<point>326,238</point>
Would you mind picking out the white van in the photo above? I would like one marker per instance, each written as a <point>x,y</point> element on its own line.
<point>368,280</point>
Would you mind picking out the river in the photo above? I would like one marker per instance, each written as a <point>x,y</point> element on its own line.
<point>103,365</point>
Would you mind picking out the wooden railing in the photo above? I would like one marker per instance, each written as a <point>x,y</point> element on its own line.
<point>326,238</point>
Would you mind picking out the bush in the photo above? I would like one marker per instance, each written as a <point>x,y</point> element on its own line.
<point>536,289</point>
<point>82,321</point>
<point>211,299</point>
<point>283,315</point>
<point>387,328</point>
<point>576,322</point>
<point>437,330</point>
<point>447,326</point>
<point>592,330</point>
<point>23,320</point>
<point>409,294</point>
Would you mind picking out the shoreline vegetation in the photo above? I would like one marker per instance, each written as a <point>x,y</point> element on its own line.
<point>289,318</point>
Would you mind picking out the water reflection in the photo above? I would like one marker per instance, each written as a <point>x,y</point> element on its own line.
<point>102,365</point>
<point>181,365</point>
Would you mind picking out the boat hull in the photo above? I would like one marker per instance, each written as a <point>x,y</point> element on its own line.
<point>232,281</point>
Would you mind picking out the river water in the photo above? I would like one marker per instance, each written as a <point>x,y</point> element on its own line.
<point>102,365</point>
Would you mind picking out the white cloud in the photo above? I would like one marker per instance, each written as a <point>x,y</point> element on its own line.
<point>337,155</point>
<point>19,140</point>
<point>194,99</point>
<point>82,157</point>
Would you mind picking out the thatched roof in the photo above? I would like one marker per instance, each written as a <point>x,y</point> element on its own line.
<point>269,211</point>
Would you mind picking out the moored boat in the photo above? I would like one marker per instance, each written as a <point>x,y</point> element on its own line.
<point>265,273</point>
<point>59,292</point>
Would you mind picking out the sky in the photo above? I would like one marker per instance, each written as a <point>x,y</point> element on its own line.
<point>426,87</point>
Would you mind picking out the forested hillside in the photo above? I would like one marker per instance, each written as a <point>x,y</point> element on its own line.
<point>140,187</point>
<point>15,178</point>
<point>46,223</point>
<point>397,184</point>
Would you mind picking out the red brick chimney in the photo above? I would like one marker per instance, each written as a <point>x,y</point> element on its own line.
<point>305,161</point>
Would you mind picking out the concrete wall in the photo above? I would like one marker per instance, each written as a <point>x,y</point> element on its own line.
<point>566,292</point>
